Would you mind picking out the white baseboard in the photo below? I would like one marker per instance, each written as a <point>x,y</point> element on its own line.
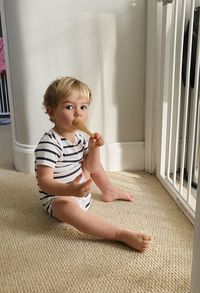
<point>123,156</point>
<point>23,157</point>
<point>114,156</point>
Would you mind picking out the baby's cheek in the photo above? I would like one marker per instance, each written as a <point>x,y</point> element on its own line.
<point>68,120</point>
<point>84,116</point>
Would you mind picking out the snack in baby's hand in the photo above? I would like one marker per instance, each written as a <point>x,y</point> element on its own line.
<point>78,124</point>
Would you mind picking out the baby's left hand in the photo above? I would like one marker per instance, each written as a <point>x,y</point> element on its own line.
<point>96,140</point>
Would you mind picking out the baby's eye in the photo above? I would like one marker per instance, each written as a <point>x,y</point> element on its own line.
<point>69,107</point>
<point>84,107</point>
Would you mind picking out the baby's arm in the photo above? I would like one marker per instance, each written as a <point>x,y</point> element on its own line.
<point>92,160</point>
<point>49,185</point>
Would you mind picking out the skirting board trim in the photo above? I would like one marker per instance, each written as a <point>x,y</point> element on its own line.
<point>114,156</point>
<point>124,156</point>
<point>23,157</point>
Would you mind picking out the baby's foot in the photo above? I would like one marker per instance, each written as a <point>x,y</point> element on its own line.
<point>137,241</point>
<point>113,193</point>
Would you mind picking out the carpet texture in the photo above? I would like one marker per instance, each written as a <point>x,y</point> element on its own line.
<point>39,254</point>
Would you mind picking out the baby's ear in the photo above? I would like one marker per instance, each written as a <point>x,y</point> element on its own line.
<point>50,112</point>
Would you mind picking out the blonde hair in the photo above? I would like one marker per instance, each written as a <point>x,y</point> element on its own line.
<point>62,88</point>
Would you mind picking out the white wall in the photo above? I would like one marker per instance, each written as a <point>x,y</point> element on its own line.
<point>100,42</point>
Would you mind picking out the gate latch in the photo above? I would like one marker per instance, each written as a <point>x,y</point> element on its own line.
<point>165,2</point>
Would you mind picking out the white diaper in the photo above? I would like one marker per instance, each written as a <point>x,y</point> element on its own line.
<point>83,202</point>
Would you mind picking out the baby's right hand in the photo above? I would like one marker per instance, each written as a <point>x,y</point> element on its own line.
<point>79,189</point>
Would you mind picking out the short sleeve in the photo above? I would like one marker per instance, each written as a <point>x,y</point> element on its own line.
<point>48,152</point>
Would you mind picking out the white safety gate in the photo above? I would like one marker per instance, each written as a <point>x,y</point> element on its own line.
<point>180,94</point>
<point>4,102</point>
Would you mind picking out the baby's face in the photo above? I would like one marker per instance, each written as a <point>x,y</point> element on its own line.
<point>67,110</point>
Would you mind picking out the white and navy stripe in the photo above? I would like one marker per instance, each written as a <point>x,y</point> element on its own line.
<point>61,155</point>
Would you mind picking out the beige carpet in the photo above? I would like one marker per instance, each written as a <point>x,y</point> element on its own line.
<point>39,254</point>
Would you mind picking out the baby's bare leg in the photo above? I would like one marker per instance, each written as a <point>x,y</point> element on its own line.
<point>69,212</point>
<point>109,192</point>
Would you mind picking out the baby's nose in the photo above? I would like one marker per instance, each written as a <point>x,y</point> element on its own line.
<point>76,112</point>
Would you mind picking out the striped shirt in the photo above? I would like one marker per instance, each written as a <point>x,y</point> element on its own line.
<point>62,155</point>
